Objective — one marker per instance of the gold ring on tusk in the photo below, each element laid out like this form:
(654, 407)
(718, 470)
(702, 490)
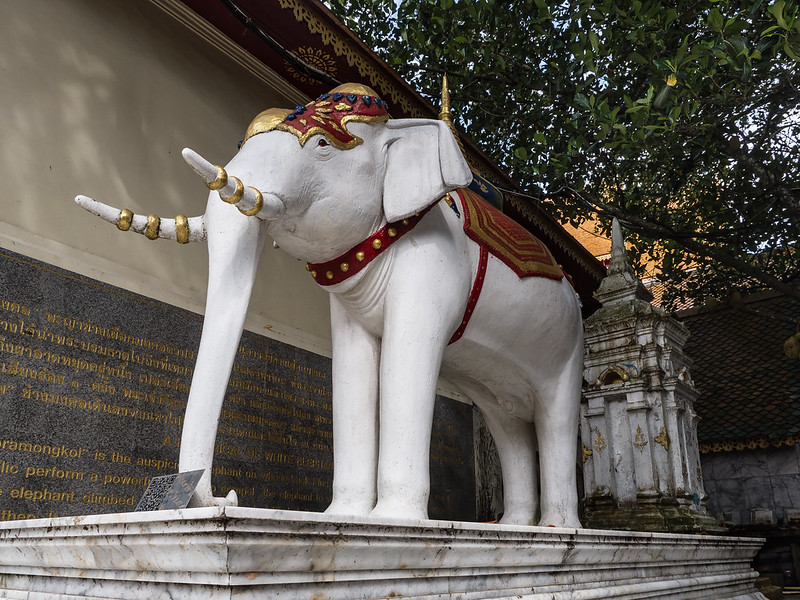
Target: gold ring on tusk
(256, 207)
(125, 219)
(237, 193)
(152, 227)
(221, 181)
(182, 229)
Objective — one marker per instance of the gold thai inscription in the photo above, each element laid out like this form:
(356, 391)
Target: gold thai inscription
(277, 416)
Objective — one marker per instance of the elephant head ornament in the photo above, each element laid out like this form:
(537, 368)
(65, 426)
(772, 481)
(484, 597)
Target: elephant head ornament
(372, 204)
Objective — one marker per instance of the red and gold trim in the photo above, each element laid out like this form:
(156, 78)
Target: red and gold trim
(359, 256)
(474, 294)
(506, 239)
(327, 115)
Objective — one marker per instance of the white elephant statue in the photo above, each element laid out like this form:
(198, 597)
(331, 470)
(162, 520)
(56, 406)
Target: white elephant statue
(371, 203)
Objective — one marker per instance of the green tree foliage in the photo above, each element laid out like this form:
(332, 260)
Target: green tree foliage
(680, 118)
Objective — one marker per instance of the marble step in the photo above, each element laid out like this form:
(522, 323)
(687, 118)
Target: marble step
(248, 553)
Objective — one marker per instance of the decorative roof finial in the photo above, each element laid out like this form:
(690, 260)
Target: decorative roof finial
(444, 113)
(619, 258)
(447, 116)
(621, 283)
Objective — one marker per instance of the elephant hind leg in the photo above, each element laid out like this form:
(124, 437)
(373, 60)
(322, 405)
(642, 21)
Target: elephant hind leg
(516, 446)
(556, 419)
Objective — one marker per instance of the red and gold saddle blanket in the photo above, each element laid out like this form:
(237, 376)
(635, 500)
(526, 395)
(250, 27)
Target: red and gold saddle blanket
(509, 241)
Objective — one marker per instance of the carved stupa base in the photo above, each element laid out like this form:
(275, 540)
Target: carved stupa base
(655, 514)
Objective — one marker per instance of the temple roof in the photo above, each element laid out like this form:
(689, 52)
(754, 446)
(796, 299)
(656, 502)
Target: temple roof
(749, 389)
(588, 234)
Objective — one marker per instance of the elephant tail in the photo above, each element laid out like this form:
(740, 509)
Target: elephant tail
(182, 229)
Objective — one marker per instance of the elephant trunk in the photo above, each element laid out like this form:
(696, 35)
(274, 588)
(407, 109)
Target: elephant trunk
(248, 200)
(182, 229)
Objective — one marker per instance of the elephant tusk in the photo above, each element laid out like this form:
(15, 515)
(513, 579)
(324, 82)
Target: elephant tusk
(265, 206)
(237, 194)
(183, 229)
(125, 219)
(220, 181)
(257, 205)
(231, 189)
(250, 201)
(213, 176)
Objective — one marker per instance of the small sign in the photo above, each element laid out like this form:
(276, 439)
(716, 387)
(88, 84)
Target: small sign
(761, 516)
(791, 515)
(169, 492)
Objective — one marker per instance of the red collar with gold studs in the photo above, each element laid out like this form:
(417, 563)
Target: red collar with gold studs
(359, 256)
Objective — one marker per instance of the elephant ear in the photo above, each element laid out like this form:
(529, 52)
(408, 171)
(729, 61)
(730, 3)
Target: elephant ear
(423, 163)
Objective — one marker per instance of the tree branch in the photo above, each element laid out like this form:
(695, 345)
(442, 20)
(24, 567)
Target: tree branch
(660, 231)
(490, 76)
(737, 152)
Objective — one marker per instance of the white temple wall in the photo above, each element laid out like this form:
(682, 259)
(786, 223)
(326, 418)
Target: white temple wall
(99, 98)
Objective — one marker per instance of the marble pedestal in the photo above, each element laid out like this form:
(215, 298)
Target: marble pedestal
(248, 553)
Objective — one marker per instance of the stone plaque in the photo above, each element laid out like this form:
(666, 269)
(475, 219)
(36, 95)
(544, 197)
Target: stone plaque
(93, 385)
(169, 492)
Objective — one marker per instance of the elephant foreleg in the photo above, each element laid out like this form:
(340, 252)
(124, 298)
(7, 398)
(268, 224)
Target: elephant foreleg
(411, 353)
(234, 246)
(355, 414)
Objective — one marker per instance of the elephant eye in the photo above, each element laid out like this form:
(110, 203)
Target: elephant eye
(323, 142)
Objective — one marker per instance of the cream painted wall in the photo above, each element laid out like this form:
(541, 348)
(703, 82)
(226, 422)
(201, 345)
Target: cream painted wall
(99, 98)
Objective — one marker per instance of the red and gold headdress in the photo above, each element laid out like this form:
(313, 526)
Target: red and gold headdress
(327, 115)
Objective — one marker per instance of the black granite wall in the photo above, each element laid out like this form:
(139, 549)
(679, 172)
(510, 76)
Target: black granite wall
(93, 385)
